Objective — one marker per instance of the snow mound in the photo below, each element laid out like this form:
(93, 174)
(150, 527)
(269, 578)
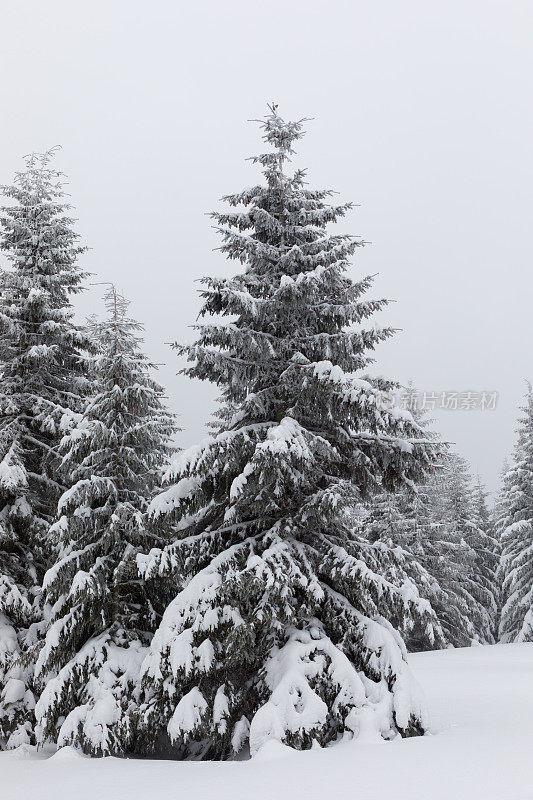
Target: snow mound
(23, 751)
(272, 750)
(67, 753)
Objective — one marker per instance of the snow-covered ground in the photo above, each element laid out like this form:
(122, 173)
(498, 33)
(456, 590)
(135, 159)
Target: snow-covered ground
(481, 704)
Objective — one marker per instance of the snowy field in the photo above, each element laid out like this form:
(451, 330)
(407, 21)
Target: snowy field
(481, 704)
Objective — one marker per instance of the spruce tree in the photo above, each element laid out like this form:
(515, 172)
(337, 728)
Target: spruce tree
(400, 520)
(453, 549)
(280, 630)
(42, 384)
(101, 614)
(445, 531)
(516, 523)
(17, 580)
(500, 516)
(473, 554)
(483, 540)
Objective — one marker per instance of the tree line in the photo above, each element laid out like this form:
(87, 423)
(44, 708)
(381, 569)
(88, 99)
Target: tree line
(268, 582)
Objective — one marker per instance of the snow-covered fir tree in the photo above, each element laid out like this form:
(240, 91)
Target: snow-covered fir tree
(18, 591)
(516, 525)
(281, 630)
(484, 542)
(472, 554)
(100, 613)
(500, 516)
(445, 530)
(400, 520)
(42, 385)
(458, 553)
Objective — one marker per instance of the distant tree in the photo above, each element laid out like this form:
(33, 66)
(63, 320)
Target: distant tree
(42, 385)
(516, 526)
(499, 516)
(401, 520)
(475, 551)
(483, 540)
(101, 616)
(446, 534)
(281, 630)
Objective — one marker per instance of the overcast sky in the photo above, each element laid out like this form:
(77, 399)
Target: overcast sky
(423, 115)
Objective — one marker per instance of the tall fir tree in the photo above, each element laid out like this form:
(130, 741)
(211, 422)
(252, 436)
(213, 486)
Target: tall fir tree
(42, 384)
(516, 525)
(280, 630)
(101, 614)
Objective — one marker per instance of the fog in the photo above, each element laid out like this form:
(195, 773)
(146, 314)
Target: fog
(421, 112)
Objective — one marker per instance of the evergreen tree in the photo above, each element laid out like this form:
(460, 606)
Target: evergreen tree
(400, 520)
(516, 522)
(474, 553)
(100, 612)
(500, 515)
(280, 630)
(404, 519)
(42, 384)
(17, 579)
(445, 531)
(483, 541)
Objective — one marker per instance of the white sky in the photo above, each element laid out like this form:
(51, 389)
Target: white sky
(422, 114)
